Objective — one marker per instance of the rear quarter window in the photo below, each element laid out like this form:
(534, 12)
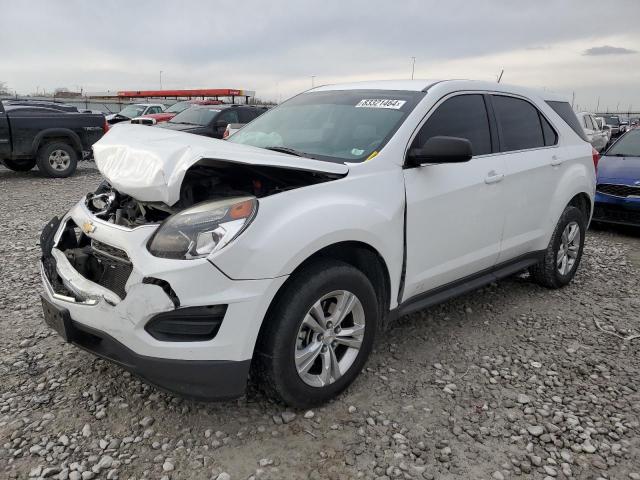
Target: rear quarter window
(564, 110)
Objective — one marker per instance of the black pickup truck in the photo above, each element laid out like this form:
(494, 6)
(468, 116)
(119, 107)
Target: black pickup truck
(50, 137)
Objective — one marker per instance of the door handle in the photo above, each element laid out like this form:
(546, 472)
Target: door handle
(493, 177)
(555, 161)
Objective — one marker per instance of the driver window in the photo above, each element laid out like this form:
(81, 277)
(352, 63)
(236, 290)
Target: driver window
(463, 116)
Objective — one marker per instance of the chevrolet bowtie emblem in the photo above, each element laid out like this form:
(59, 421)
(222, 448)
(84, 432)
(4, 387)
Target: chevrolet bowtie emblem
(88, 227)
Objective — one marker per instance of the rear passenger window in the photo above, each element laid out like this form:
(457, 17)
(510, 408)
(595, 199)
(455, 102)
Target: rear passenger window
(463, 116)
(550, 135)
(518, 123)
(246, 115)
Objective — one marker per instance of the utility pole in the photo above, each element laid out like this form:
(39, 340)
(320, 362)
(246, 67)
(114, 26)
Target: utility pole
(313, 81)
(598, 106)
(618, 108)
(413, 66)
(573, 99)
(160, 79)
(500, 76)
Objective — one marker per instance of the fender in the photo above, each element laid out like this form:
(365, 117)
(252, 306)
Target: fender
(57, 133)
(292, 226)
(577, 178)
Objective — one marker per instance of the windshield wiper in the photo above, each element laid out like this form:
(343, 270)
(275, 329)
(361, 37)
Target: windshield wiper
(290, 151)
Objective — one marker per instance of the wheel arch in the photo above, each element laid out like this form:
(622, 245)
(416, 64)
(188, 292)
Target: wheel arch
(357, 254)
(62, 134)
(583, 202)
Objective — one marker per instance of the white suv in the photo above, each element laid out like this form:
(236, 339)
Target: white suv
(286, 249)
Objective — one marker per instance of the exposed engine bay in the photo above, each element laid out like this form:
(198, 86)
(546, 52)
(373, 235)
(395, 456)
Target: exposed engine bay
(206, 180)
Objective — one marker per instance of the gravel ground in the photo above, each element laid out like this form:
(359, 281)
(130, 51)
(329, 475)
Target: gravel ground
(513, 381)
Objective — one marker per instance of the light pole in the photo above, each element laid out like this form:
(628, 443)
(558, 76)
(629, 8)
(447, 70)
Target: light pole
(313, 81)
(413, 66)
(160, 79)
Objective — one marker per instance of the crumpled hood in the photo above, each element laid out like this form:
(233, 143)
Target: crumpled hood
(149, 163)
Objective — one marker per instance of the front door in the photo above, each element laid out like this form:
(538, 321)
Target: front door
(455, 212)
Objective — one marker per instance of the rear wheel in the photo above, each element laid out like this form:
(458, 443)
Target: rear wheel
(57, 159)
(21, 165)
(564, 251)
(319, 335)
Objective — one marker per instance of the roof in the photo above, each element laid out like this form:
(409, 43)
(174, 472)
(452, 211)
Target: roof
(200, 92)
(452, 84)
(148, 104)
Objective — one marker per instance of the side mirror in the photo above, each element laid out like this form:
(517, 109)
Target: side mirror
(441, 149)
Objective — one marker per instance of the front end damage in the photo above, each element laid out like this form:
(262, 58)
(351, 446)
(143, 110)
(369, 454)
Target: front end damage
(181, 324)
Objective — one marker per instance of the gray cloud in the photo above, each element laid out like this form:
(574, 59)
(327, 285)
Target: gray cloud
(608, 50)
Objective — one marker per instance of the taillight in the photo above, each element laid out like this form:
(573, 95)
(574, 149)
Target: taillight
(596, 158)
(105, 126)
(226, 133)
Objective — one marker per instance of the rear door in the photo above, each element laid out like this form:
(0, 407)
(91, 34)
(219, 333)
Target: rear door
(532, 164)
(5, 134)
(455, 212)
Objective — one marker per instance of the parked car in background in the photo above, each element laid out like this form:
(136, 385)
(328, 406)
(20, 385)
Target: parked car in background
(172, 111)
(212, 120)
(605, 128)
(53, 139)
(596, 136)
(134, 110)
(613, 122)
(624, 126)
(288, 247)
(618, 187)
(63, 107)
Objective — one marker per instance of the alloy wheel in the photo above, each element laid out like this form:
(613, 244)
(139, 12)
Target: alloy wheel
(569, 248)
(329, 338)
(59, 160)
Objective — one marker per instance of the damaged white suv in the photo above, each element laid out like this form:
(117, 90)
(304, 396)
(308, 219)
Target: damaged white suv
(284, 250)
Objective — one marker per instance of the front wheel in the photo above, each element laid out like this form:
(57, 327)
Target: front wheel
(564, 251)
(318, 336)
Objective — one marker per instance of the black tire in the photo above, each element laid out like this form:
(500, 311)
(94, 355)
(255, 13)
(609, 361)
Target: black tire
(46, 164)
(274, 369)
(21, 165)
(547, 273)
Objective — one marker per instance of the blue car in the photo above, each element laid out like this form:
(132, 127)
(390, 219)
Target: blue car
(618, 185)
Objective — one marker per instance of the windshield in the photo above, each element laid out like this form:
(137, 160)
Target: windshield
(337, 126)
(195, 116)
(178, 107)
(131, 111)
(627, 146)
(609, 120)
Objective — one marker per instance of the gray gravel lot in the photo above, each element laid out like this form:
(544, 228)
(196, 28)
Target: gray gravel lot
(512, 381)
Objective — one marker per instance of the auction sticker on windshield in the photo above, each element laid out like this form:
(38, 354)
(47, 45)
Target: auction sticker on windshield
(381, 103)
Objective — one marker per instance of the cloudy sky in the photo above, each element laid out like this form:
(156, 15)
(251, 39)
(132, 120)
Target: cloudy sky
(274, 47)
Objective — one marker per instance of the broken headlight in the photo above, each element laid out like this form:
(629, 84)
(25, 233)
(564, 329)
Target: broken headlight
(203, 229)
